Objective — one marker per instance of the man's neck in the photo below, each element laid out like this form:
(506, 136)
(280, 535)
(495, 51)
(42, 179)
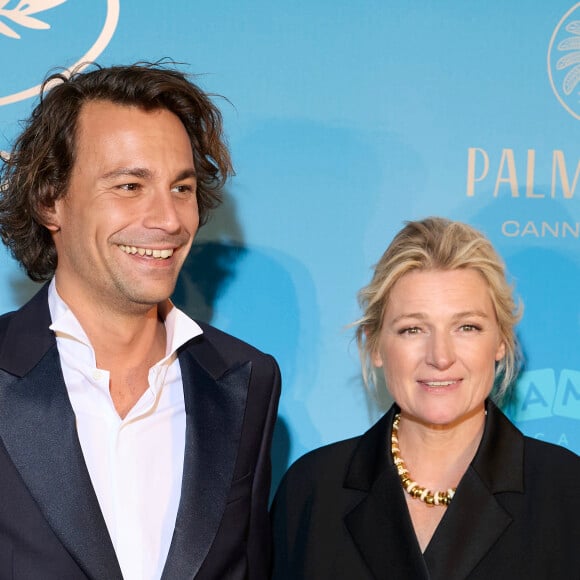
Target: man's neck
(128, 352)
(126, 344)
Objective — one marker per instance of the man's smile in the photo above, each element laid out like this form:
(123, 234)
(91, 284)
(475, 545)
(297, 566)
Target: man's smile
(160, 254)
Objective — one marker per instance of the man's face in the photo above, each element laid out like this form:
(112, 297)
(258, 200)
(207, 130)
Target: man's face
(126, 223)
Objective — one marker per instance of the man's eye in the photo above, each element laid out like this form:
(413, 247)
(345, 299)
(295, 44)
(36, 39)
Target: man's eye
(183, 189)
(129, 186)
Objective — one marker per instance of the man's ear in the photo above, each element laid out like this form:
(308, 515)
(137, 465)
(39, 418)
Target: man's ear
(49, 216)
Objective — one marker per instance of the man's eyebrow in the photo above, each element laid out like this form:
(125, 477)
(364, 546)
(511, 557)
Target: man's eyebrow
(139, 172)
(143, 173)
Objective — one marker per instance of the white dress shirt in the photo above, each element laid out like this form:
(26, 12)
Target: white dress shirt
(135, 463)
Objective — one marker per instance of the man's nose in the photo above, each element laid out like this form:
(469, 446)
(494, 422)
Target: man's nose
(162, 212)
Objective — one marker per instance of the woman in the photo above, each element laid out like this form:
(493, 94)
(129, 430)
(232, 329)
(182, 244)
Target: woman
(443, 486)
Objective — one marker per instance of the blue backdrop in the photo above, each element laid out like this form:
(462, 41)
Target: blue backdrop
(344, 120)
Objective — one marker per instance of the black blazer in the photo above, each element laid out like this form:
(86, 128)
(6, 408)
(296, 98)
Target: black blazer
(51, 526)
(340, 513)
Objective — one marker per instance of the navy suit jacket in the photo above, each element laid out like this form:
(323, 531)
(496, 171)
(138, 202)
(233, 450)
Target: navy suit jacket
(340, 513)
(51, 526)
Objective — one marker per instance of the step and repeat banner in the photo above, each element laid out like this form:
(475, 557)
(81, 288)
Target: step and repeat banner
(345, 119)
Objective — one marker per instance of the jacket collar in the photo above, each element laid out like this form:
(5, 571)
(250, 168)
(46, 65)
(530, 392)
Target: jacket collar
(215, 401)
(380, 524)
(37, 426)
(502, 445)
(26, 335)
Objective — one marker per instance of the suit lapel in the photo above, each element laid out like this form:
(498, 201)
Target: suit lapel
(37, 427)
(215, 400)
(475, 516)
(380, 525)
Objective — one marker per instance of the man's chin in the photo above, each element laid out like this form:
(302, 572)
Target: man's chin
(144, 299)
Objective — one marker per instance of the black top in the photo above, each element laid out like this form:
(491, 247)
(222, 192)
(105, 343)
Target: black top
(340, 513)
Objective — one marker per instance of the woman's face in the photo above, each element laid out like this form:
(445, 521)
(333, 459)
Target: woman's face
(438, 345)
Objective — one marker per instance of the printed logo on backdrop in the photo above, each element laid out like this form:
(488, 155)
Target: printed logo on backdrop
(40, 35)
(544, 394)
(526, 198)
(538, 187)
(564, 61)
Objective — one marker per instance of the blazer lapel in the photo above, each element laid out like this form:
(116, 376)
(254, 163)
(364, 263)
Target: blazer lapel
(471, 525)
(475, 516)
(215, 400)
(380, 524)
(37, 427)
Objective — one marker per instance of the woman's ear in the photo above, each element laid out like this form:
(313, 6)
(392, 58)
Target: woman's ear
(375, 356)
(500, 353)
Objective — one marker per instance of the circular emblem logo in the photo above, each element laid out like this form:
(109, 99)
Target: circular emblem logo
(564, 61)
(40, 35)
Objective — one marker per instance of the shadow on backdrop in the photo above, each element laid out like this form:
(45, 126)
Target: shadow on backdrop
(201, 292)
(211, 263)
(249, 292)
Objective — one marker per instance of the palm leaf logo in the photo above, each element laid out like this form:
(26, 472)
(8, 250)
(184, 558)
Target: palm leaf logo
(26, 17)
(571, 60)
(21, 15)
(564, 61)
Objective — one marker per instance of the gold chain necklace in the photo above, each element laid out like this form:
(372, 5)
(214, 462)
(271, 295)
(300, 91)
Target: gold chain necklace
(442, 498)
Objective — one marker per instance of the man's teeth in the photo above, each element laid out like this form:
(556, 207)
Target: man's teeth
(161, 254)
(439, 383)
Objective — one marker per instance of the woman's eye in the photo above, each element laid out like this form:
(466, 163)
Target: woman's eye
(469, 327)
(410, 330)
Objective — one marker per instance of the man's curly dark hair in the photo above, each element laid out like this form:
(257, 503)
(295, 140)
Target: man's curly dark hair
(38, 170)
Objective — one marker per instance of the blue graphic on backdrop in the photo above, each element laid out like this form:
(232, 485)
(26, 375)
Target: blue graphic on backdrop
(547, 406)
(543, 395)
(37, 36)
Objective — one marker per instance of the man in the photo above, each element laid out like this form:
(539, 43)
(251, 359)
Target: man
(134, 442)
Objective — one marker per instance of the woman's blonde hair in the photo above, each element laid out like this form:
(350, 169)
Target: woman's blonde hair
(437, 243)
